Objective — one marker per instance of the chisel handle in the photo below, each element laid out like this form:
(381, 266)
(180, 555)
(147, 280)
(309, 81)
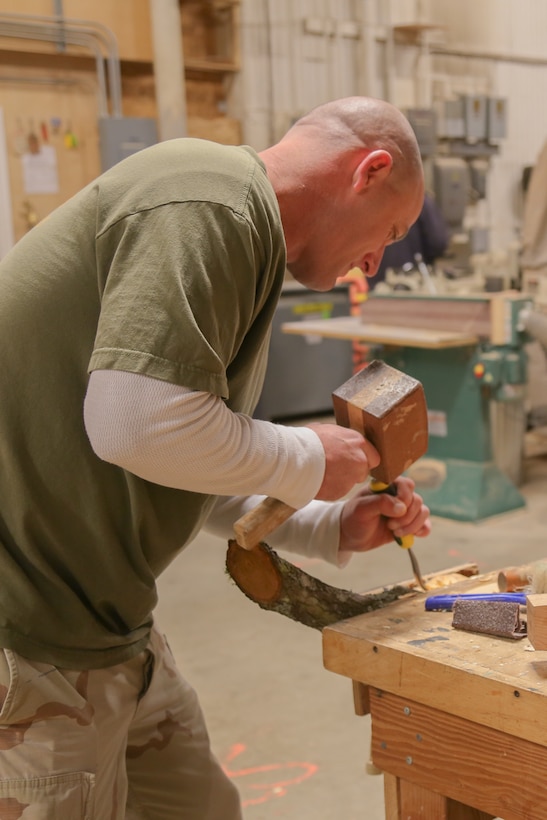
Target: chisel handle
(407, 541)
(259, 522)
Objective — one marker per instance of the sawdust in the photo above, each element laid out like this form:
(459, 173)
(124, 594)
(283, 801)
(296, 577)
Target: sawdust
(440, 581)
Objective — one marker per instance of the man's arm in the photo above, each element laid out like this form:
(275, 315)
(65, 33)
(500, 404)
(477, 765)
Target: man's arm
(190, 440)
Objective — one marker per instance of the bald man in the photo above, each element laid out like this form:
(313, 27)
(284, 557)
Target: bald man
(134, 329)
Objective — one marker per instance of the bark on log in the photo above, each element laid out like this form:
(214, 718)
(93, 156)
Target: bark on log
(277, 585)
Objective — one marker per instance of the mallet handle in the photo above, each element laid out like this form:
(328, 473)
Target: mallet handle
(259, 522)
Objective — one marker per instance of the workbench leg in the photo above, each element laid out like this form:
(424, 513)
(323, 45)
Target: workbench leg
(408, 801)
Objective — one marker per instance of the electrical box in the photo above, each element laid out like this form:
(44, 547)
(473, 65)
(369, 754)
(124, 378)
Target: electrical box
(497, 118)
(479, 240)
(424, 125)
(452, 123)
(122, 136)
(451, 181)
(475, 116)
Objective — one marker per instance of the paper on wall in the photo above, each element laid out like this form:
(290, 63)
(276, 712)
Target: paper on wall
(40, 171)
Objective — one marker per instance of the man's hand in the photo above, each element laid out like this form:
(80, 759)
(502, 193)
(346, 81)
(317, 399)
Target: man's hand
(371, 519)
(348, 459)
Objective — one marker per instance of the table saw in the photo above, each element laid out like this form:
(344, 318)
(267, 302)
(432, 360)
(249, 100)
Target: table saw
(469, 354)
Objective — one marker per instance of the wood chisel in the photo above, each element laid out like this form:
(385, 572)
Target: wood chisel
(407, 541)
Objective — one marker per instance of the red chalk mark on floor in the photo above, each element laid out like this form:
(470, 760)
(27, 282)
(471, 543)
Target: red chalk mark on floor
(273, 788)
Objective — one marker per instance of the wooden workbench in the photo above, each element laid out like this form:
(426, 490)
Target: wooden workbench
(458, 719)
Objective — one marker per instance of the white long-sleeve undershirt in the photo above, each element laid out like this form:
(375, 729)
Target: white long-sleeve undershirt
(190, 440)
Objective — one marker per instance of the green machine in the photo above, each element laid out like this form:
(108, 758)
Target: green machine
(468, 352)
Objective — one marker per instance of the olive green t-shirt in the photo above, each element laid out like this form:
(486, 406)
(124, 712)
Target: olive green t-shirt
(170, 264)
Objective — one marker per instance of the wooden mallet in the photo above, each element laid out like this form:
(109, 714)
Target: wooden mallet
(386, 406)
(389, 408)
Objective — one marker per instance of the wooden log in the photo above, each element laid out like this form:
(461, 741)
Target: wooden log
(277, 585)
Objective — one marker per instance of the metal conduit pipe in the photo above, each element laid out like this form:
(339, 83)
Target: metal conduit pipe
(496, 56)
(80, 40)
(88, 34)
(101, 33)
(471, 54)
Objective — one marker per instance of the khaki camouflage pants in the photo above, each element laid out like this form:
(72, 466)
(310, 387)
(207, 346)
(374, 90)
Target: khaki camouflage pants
(124, 743)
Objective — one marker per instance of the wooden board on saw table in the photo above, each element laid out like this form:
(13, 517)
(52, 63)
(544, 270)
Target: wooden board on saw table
(354, 328)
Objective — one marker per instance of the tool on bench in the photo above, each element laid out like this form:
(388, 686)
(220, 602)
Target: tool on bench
(445, 603)
(386, 406)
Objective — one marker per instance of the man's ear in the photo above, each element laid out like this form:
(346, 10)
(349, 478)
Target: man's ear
(374, 168)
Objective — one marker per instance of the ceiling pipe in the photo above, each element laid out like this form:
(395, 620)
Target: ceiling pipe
(23, 33)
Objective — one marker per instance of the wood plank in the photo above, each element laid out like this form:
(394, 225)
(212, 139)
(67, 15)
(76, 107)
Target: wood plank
(471, 764)
(536, 616)
(458, 811)
(467, 314)
(419, 803)
(404, 650)
(404, 800)
(361, 698)
(351, 327)
(449, 576)
(500, 316)
(392, 797)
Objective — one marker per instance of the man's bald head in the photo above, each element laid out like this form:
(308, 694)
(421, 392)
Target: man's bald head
(349, 180)
(368, 123)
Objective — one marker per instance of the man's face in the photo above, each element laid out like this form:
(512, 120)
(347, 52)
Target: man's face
(354, 232)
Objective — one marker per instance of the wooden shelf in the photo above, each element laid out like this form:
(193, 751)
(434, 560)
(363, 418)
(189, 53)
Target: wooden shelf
(414, 33)
(210, 66)
(210, 30)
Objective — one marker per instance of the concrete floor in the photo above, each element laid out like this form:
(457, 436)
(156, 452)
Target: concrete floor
(281, 724)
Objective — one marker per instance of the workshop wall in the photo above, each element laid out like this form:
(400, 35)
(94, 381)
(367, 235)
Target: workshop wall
(414, 53)
(51, 93)
(51, 99)
(252, 68)
(498, 47)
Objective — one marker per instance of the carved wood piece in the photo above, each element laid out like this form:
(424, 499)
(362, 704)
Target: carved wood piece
(277, 585)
